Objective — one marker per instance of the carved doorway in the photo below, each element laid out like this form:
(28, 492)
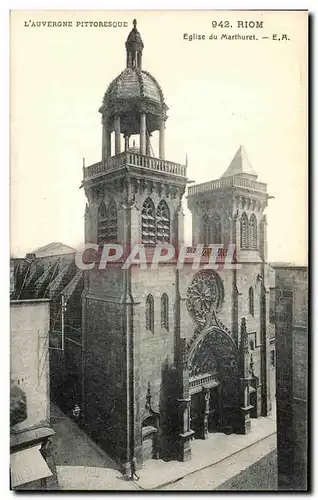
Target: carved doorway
(215, 409)
(149, 437)
(213, 382)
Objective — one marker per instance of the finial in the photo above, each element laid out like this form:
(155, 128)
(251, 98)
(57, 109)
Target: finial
(135, 24)
(186, 160)
(83, 162)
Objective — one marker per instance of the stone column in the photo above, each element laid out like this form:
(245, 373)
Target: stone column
(237, 231)
(105, 140)
(126, 142)
(206, 393)
(148, 145)
(220, 404)
(117, 134)
(109, 144)
(162, 140)
(143, 133)
(178, 237)
(183, 402)
(262, 237)
(244, 421)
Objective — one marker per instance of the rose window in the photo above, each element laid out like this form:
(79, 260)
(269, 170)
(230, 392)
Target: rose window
(204, 295)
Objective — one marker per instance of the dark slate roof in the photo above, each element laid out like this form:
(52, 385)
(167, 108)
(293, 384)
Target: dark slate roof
(134, 83)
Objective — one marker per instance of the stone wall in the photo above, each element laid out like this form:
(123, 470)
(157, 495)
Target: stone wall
(291, 376)
(29, 357)
(104, 361)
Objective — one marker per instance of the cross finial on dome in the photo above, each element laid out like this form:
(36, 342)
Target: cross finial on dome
(134, 46)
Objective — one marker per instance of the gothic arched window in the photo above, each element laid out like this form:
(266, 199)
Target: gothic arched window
(112, 222)
(148, 224)
(165, 311)
(150, 313)
(216, 229)
(244, 231)
(253, 232)
(251, 301)
(102, 223)
(163, 223)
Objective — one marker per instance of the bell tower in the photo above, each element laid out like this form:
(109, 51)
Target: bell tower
(134, 197)
(230, 210)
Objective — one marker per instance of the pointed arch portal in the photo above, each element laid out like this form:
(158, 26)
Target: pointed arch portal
(213, 363)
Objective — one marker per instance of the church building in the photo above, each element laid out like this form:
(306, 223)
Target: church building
(170, 354)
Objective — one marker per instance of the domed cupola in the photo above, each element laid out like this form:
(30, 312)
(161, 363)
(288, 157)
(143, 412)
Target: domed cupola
(133, 103)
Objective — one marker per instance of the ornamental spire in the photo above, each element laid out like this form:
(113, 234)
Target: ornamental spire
(134, 47)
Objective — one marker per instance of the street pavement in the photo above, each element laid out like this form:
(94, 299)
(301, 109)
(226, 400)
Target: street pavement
(156, 474)
(82, 465)
(215, 476)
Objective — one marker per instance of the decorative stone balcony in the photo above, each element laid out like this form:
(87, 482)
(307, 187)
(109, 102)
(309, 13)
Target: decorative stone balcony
(129, 158)
(206, 380)
(227, 182)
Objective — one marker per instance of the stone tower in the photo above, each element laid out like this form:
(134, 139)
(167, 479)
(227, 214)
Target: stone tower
(134, 196)
(230, 210)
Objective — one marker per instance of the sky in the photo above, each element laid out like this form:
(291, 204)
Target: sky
(220, 94)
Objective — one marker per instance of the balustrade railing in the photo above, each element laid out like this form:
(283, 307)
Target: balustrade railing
(227, 182)
(201, 380)
(134, 159)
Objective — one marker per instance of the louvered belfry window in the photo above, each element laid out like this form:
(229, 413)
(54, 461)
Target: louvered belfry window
(107, 223)
(148, 225)
(112, 223)
(253, 232)
(163, 223)
(155, 226)
(102, 223)
(244, 231)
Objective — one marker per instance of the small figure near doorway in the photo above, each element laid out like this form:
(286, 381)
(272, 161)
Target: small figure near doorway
(76, 412)
(133, 473)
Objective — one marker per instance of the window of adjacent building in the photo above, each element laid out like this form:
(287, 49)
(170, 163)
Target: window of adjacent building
(251, 300)
(150, 313)
(273, 358)
(165, 311)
